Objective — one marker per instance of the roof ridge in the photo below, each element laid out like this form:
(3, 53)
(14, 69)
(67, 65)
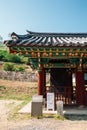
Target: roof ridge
(57, 33)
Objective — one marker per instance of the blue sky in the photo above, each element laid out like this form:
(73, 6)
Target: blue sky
(42, 16)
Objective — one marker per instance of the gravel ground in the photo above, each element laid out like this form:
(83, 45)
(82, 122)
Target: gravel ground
(52, 124)
(35, 124)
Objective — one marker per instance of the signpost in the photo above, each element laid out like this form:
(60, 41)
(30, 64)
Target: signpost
(50, 101)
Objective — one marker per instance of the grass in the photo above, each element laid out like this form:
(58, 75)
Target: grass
(59, 117)
(14, 109)
(15, 97)
(17, 90)
(11, 91)
(55, 116)
(14, 112)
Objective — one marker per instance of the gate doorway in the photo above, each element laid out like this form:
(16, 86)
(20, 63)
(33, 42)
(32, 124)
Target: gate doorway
(68, 85)
(62, 83)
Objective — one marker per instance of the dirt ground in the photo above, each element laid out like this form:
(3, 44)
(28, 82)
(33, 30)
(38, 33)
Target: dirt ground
(6, 107)
(14, 84)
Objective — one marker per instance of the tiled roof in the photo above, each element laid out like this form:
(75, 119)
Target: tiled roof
(47, 39)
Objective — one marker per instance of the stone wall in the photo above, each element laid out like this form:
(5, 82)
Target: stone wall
(18, 76)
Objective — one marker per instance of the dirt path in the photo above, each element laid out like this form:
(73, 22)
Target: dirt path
(6, 107)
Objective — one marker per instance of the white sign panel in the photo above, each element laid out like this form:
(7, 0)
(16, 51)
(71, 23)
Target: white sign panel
(50, 101)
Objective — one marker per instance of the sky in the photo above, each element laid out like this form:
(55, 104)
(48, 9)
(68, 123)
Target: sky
(42, 16)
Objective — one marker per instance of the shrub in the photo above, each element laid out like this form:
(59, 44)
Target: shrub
(7, 57)
(2, 54)
(19, 68)
(8, 67)
(12, 67)
(12, 58)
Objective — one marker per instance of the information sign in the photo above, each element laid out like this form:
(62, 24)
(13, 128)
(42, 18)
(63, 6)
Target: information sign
(50, 101)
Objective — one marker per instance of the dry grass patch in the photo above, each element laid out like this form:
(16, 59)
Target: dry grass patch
(17, 90)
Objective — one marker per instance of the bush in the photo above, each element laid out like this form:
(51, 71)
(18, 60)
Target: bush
(2, 54)
(12, 58)
(8, 67)
(7, 57)
(12, 67)
(20, 68)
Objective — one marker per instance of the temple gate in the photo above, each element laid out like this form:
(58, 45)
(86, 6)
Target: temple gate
(62, 55)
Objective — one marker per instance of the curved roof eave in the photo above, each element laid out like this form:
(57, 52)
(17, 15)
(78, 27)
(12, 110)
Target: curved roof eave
(48, 39)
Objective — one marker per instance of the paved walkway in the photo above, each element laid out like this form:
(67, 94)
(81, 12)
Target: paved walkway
(67, 111)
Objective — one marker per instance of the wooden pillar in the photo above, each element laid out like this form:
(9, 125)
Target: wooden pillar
(41, 82)
(69, 78)
(70, 87)
(80, 89)
(44, 84)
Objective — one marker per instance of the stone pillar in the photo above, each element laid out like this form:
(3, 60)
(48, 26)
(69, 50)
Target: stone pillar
(60, 108)
(80, 88)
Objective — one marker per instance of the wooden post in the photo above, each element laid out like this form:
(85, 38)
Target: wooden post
(70, 87)
(41, 82)
(80, 89)
(44, 84)
(69, 78)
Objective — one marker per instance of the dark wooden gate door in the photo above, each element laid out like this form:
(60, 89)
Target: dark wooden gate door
(61, 82)
(67, 95)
